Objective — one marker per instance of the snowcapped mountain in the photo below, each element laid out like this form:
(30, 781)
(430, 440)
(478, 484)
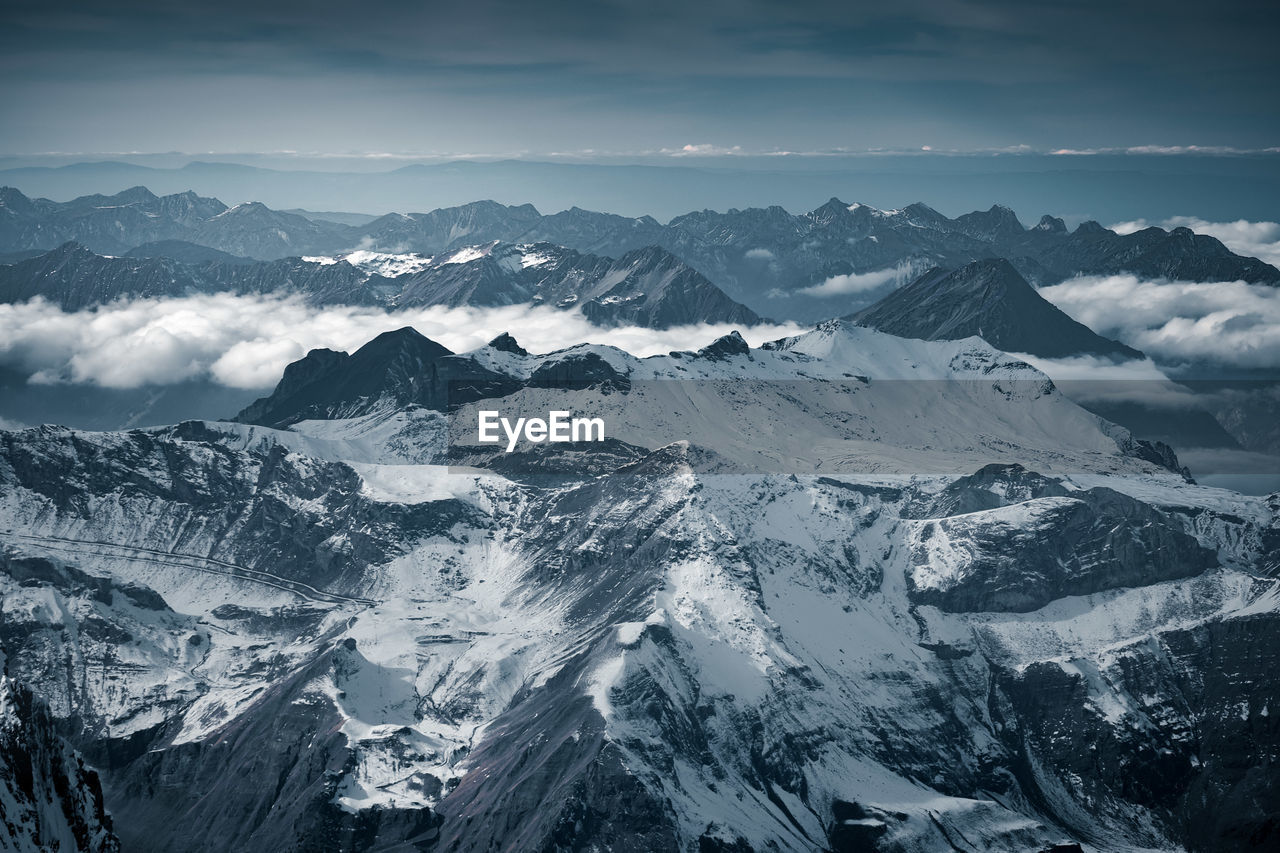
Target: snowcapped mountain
(991, 300)
(951, 610)
(646, 287)
(828, 262)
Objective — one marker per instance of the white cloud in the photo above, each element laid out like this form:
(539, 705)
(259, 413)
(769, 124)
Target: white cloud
(1091, 368)
(10, 424)
(759, 255)
(1259, 240)
(840, 285)
(246, 341)
(704, 149)
(1228, 323)
(1202, 150)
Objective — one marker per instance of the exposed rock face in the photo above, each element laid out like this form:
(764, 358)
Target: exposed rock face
(265, 781)
(394, 370)
(322, 638)
(49, 799)
(991, 300)
(1021, 556)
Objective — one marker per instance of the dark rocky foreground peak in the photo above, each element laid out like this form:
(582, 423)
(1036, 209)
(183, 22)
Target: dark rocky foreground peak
(394, 370)
(506, 343)
(726, 346)
(991, 300)
(390, 365)
(49, 799)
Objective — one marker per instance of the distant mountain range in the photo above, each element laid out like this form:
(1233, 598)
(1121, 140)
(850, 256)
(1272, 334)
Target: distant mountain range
(646, 287)
(831, 261)
(1107, 188)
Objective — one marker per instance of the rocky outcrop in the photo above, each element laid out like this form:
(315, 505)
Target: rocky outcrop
(1021, 556)
(49, 799)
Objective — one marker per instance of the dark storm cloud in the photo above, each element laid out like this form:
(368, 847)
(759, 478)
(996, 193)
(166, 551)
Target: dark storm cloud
(937, 72)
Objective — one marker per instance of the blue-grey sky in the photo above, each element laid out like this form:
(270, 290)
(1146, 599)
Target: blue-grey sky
(655, 79)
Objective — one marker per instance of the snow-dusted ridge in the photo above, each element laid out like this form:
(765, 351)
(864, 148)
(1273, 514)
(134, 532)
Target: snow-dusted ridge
(646, 655)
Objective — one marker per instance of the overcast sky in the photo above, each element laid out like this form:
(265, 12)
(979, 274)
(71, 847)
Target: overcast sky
(533, 79)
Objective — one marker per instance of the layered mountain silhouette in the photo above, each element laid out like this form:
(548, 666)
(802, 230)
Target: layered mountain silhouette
(766, 258)
(645, 287)
(991, 300)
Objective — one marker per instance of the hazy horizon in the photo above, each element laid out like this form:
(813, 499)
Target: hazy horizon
(1107, 188)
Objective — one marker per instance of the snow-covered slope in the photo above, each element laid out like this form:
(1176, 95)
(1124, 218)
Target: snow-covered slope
(49, 800)
(978, 619)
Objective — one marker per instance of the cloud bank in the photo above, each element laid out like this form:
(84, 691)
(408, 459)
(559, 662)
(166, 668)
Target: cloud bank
(842, 285)
(1228, 323)
(246, 341)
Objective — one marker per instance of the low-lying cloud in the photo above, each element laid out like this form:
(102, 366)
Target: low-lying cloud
(842, 285)
(246, 341)
(1094, 368)
(1227, 323)
(1259, 240)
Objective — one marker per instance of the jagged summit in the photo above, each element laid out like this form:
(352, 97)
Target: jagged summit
(395, 370)
(1051, 225)
(726, 346)
(506, 343)
(990, 299)
(995, 224)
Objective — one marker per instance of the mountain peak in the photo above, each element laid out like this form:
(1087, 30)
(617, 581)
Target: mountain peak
(990, 299)
(404, 339)
(135, 195)
(68, 249)
(992, 224)
(832, 211)
(1051, 225)
(14, 199)
(506, 343)
(725, 347)
(393, 368)
(245, 207)
(919, 213)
